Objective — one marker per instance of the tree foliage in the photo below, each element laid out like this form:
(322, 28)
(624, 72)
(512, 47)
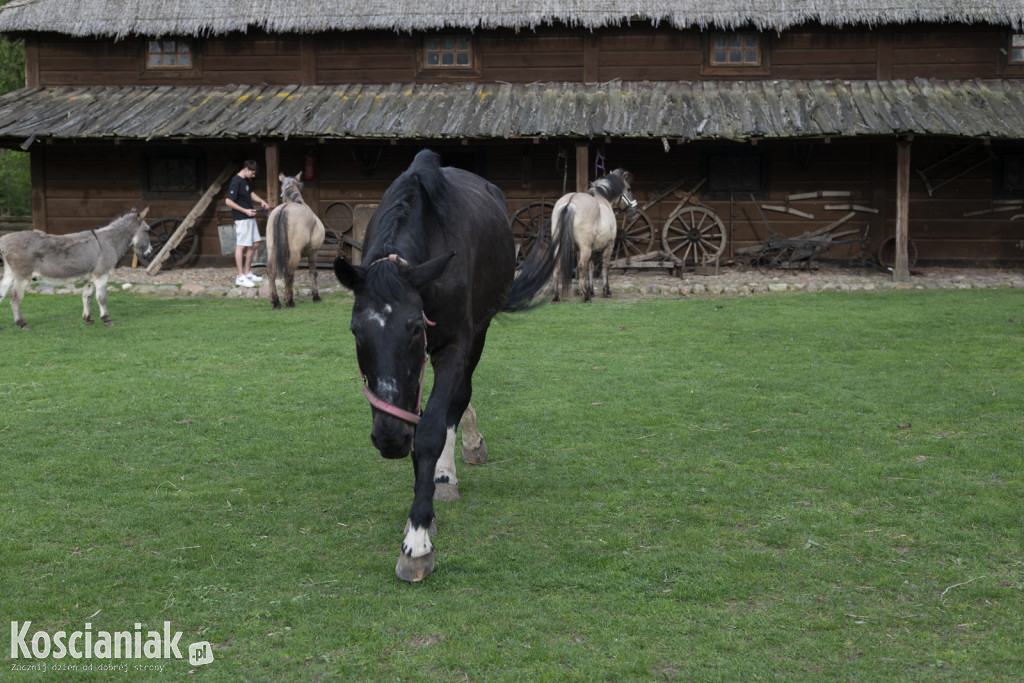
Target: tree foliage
(15, 183)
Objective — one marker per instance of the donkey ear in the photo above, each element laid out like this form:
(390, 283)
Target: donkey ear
(425, 273)
(298, 176)
(350, 277)
(281, 177)
(142, 214)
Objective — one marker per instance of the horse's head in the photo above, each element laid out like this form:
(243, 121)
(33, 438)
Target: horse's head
(291, 187)
(390, 329)
(626, 196)
(140, 238)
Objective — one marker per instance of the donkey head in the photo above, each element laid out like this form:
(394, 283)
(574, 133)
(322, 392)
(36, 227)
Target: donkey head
(390, 329)
(140, 238)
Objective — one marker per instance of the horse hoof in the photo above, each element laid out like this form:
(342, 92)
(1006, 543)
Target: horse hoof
(446, 491)
(88, 321)
(317, 299)
(475, 456)
(276, 306)
(413, 569)
(290, 304)
(108, 323)
(24, 326)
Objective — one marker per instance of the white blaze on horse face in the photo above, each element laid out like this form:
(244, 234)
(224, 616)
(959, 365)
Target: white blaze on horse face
(387, 390)
(380, 317)
(417, 542)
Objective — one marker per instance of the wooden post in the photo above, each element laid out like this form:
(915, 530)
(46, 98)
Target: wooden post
(901, 267)
(273, 165)
(582, 162)
(37, 172)
(190, 219)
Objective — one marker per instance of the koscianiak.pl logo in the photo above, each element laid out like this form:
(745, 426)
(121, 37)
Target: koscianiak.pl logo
(88, 650)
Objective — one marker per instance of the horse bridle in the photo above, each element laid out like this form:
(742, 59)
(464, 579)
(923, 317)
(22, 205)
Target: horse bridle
(379, 403)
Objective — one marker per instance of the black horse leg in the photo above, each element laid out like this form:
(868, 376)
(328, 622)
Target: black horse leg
(416, 561)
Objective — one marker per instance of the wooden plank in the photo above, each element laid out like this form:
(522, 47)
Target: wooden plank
(850, 207)
(787, 209)
(820, 194)
(190, 219)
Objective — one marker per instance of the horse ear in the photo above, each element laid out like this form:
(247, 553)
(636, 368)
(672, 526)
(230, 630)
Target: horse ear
(281, 177)
(298, 176)
(425, 273)
(350, 277)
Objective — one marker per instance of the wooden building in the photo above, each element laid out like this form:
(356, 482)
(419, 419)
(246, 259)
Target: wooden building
(784, 121)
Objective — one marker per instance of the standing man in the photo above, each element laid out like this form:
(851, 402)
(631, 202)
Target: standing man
(247, 233)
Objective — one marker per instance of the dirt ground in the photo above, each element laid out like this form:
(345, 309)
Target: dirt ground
(635, 283)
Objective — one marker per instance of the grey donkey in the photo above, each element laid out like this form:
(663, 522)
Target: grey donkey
(88, 256)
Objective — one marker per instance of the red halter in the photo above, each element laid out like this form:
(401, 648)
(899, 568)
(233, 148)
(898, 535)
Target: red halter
(376, 401)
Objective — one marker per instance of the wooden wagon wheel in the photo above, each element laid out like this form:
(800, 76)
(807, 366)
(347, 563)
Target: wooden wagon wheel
(694, 234)
(338, 221)
(635, 237)
(887, 253)
(528, 223)
(160, 231)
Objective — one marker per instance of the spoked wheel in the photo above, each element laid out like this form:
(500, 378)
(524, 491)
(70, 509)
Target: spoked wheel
(694, 234)
(338, 220)
(635, 236)
(160, 232)
(528, 223)
(887, 253)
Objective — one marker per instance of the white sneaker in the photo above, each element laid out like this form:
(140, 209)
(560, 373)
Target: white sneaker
(254, 277)
(243, 281)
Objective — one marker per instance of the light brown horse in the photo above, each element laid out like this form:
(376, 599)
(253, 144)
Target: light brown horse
(590, 220)
(293, 232)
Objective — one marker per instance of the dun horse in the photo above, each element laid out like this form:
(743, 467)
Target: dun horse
(91, 256)
(293, 232)
(438, 264)
(590, 219)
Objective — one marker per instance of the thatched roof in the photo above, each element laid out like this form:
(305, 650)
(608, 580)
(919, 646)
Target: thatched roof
(677, 110)
(122, 18)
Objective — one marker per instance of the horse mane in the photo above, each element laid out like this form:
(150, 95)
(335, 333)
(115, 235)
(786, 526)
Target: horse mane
(416, 195)
(611, 185)
(291, 191)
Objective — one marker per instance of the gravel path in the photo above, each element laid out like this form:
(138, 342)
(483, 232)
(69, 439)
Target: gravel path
(633, 284)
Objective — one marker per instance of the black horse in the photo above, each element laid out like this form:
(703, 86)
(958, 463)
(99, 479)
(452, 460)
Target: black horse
(438, 264)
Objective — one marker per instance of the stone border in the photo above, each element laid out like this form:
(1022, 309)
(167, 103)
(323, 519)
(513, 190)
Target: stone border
(729, 282)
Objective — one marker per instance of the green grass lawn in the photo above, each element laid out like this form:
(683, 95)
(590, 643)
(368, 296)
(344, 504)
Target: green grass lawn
(774, 487)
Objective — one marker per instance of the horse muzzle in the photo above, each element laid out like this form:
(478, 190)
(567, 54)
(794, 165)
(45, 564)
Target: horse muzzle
(392, 438)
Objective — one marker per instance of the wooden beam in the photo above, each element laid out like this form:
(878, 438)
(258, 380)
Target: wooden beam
(901, 267)
(273, 165)
(190, 219)
(582, 162)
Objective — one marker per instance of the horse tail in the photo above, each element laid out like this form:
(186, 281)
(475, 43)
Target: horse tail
(537, 270)
(280, 255)
(563, 239)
